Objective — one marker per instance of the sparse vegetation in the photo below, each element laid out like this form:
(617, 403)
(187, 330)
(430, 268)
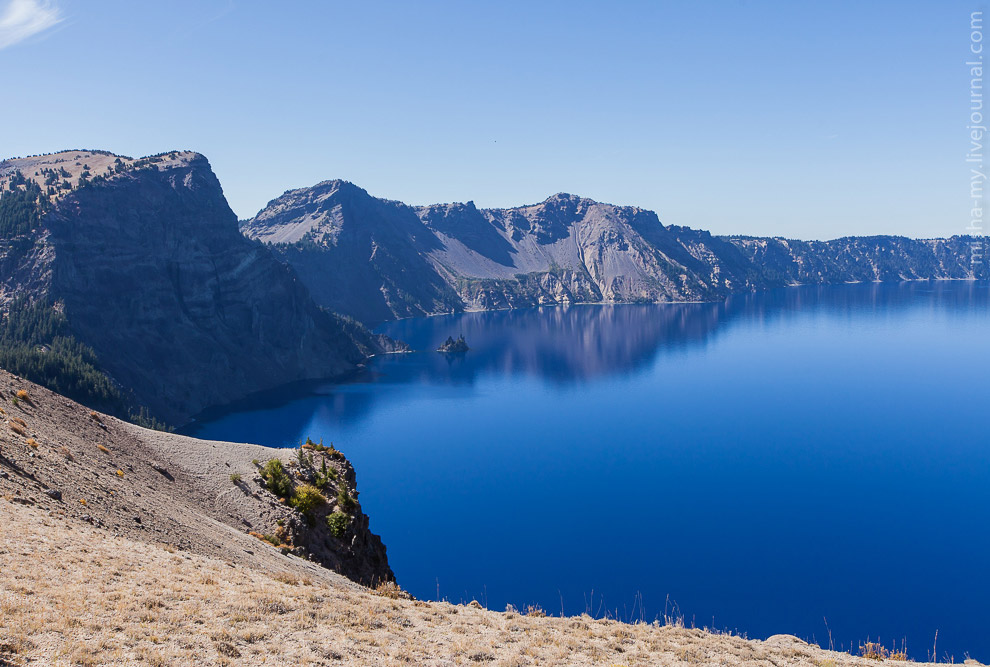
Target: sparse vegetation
(326, 475)
(276, 479)
(265, 537)
(306, 498)
(535, 611)
(17, 428)
(338, 523)
(344, 499)
(235, 477)
(392, 590)
(103, 449)
(877, 651)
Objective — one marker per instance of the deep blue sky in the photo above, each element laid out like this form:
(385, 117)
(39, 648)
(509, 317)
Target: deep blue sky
(807, 120)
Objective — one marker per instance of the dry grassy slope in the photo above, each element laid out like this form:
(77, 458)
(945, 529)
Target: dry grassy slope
(89, 585)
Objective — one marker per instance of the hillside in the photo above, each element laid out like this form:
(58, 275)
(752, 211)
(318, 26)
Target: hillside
(126, 284)
(123, 546)
(377, 260)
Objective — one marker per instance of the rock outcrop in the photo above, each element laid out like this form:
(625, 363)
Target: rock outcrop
(145, 261)
(567, 249)
(201, 496)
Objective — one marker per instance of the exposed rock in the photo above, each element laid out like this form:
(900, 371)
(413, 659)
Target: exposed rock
(377, 260)
(451, 346)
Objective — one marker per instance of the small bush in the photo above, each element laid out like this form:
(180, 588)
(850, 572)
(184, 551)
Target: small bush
(120, 473)
(17, 428)
(271, 539)
(235, 477)
(344, 499)
(325, 475)
(32, 443)
(306, 498)
(877, 651)
(103, 449)
(536, 611)
(390, 589)
(276, 479)
(338, 523)
(23, 395)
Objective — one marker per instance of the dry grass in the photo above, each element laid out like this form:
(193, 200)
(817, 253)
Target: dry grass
(32, 443)
(73, 594)
(23, 395)
(877, 651)
(390, 589)
(17, 427)
(103, 449)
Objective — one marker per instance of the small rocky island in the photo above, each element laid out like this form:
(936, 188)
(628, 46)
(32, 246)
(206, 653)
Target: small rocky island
(451, 346)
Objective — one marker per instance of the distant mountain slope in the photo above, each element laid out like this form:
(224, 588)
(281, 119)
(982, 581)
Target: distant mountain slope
(378, 260)
(139, 263)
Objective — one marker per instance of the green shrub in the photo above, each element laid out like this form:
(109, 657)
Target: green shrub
(306, 498)
(235, 477)
(345, 500)
(325, 475)
(276, 478)
(338, 523)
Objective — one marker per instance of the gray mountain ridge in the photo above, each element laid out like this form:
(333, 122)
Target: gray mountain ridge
(377, 259)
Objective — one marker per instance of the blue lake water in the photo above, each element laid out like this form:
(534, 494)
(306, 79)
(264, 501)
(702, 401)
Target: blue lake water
(768, 462)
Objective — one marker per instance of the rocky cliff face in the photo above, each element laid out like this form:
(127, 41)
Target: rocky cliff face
(445, 258)
(145, 260)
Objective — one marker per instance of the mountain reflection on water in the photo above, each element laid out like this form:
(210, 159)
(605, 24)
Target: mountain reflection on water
(562, 345)
(569, 344)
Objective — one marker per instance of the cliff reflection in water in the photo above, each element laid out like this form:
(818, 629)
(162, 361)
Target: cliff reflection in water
(563, 346)
(577, 343)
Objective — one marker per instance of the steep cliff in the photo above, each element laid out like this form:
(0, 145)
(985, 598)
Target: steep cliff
(144, 260)
(451, 257)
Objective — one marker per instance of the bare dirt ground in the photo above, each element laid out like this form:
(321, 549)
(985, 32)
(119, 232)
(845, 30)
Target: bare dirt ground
(121, 546)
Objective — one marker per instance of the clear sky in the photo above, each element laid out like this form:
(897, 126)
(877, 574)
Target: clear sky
(800, 119)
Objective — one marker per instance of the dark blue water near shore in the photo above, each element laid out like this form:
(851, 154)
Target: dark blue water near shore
(768, 462)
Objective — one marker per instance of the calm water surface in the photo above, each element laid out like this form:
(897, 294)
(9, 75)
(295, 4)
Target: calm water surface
(768, 463)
